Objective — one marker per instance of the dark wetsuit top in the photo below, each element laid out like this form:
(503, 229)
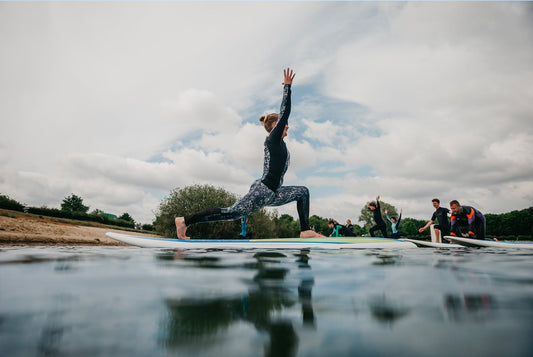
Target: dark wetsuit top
(340, 230)
(380, 223)
(276, 154)
(441, 214)
(471, 217)
(377, 215)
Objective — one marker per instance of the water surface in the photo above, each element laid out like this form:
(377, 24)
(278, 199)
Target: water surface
(116, 301)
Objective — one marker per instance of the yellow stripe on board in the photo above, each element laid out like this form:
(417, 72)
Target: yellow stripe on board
(351, 240)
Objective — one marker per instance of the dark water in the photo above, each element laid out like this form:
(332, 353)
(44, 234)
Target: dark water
(112, 301)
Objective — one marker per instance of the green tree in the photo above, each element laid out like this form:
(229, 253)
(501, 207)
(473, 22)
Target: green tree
(261, 224)
(511, 225)
(8, 203)
(320, 224)
(192, 199)
(409, 228)
(126, 217)
(287, 227)
(73, 203)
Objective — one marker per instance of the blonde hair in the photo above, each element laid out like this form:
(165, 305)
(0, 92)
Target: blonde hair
(269, 121)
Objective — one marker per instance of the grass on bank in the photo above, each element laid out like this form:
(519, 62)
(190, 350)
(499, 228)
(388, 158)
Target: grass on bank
(74, 222)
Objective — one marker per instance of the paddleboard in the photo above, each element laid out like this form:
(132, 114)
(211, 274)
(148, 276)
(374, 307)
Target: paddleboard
(290, 243)
(469, 242)
(429, 244)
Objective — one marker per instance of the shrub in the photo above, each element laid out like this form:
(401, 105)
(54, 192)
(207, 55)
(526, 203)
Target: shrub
(193, 199)
(8, 203)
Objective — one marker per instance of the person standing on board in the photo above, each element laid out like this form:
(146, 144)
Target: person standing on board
(440, 214)
(468, 216)
(269, 189)
(380, 223)
(395, 223)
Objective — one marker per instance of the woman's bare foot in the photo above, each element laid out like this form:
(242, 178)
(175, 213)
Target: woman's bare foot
(181, 228)
(309, 234)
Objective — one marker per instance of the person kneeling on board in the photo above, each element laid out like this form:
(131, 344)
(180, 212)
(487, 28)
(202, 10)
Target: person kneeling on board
(339, 230)
(395, 223)
(380, 223)
(467, 216)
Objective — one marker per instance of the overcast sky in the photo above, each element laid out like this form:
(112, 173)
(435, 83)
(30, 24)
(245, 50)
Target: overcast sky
(121, 102)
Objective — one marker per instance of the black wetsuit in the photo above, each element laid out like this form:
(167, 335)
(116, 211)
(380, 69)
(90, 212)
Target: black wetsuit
(441, 214)
(342, 231)
(380, 223)
(267, 191)
(350, 228)
(471, 217)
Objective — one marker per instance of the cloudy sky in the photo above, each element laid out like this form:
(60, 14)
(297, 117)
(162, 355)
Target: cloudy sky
(121, 102)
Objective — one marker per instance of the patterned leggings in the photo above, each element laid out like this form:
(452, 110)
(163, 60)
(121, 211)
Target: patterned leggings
(258, 197)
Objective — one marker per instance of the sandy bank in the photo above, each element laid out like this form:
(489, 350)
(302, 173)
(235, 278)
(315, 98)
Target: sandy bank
(19, 229)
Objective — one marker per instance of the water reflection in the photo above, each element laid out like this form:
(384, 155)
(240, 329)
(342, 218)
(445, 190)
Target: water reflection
(51, 335)
(386, 311)
(386, 258)
(199, 319)
(469, 307)
(305, 290)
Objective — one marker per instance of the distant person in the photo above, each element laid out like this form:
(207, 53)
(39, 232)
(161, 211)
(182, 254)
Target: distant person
(244, 227)
(380, 223)
(467, 216)
(349, 225)
(269, 189)
(338, 230)
(441, 214)
(395, 224)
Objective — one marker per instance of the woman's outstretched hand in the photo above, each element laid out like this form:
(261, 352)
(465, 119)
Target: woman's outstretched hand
(288, 75)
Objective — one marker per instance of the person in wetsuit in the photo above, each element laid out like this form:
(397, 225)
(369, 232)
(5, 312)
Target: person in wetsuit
(338, 230)
(269, 189)
(440, 214)
(395, 223)
(467, 216)
(380, 223)
(349, 225)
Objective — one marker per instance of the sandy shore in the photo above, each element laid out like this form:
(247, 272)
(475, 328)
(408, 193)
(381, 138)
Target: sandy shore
(21, 229)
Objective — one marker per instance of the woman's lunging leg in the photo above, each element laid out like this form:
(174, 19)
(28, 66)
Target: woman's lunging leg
(300, 194)
(258, 197)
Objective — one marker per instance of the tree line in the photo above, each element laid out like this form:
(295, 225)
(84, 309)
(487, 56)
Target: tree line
(72, 207)
(264, 224)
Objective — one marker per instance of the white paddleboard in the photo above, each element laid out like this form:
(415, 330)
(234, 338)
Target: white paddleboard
(429, 244)
(291, 243)
(469, 242)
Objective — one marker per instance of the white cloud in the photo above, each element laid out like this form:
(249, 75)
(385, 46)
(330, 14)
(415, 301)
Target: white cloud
(121, 102)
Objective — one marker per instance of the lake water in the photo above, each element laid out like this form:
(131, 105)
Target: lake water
(116, 301)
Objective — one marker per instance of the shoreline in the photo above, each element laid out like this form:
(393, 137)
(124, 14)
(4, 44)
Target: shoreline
(18, 228)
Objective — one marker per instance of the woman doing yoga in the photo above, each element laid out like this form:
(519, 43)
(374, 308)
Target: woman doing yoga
(268, 190)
